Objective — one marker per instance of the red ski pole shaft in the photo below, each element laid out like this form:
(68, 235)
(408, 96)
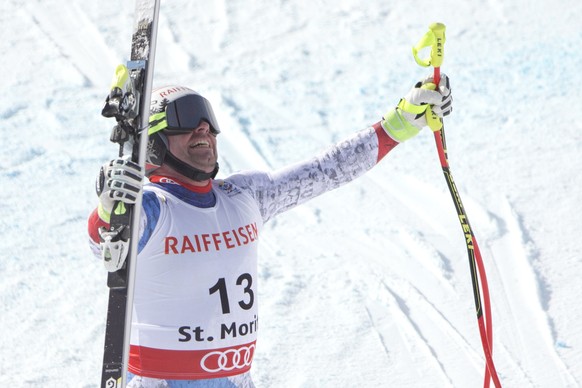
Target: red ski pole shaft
(436, 39)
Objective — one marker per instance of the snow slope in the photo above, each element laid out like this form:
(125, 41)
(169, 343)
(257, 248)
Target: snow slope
(365, 286)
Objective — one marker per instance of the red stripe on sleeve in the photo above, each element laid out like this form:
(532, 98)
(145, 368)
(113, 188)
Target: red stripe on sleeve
(93, 224)
(385, 142)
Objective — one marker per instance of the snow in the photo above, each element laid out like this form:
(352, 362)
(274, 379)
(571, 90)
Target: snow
(366, 286)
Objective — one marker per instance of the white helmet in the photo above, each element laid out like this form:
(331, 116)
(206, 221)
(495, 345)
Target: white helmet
(176, 110)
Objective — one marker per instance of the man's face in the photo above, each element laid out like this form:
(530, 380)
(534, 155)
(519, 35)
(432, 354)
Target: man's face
(197, 148)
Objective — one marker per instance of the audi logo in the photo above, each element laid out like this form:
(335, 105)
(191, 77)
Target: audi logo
(228, 360)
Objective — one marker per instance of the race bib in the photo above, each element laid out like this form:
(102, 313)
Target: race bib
(195, 303)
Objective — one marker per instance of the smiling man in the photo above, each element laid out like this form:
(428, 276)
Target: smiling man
(195, 315)
(183, 133)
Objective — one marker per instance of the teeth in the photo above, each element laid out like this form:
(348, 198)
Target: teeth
(200, 144)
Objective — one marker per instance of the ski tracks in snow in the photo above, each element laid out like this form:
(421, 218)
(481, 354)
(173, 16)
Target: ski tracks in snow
(526, 339)
(524, 343)
(417, 348)
(76, 39)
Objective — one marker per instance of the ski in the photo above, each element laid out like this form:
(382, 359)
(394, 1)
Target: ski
(128, 102)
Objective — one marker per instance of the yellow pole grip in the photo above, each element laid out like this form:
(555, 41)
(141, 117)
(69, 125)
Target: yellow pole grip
(437, 53)
(435, 39)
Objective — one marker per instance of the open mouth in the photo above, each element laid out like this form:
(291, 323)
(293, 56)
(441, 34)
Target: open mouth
(200, 144)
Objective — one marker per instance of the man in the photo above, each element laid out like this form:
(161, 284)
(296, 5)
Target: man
(195, 316)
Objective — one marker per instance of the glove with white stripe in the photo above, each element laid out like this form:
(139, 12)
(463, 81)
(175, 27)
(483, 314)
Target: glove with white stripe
(424, 105)
(119, 180)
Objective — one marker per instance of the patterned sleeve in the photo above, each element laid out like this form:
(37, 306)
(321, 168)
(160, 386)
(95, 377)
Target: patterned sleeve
(281, 190)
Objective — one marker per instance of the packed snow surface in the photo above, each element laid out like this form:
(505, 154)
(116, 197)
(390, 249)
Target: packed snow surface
(368, 285)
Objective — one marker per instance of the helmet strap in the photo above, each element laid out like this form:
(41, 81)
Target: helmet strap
(187, 170)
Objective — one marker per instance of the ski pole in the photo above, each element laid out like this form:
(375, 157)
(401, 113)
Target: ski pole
(435, 39)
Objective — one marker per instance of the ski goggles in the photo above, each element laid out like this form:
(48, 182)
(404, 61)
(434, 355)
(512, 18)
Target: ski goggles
(183, 115)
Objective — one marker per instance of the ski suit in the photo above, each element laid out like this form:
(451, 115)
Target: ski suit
(195, 314)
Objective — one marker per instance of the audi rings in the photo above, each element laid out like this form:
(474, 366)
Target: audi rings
(228, 360)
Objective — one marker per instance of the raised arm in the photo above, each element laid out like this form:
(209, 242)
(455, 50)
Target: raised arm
(283, 189)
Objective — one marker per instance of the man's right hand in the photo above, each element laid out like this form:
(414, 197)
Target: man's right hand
(119, 180)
